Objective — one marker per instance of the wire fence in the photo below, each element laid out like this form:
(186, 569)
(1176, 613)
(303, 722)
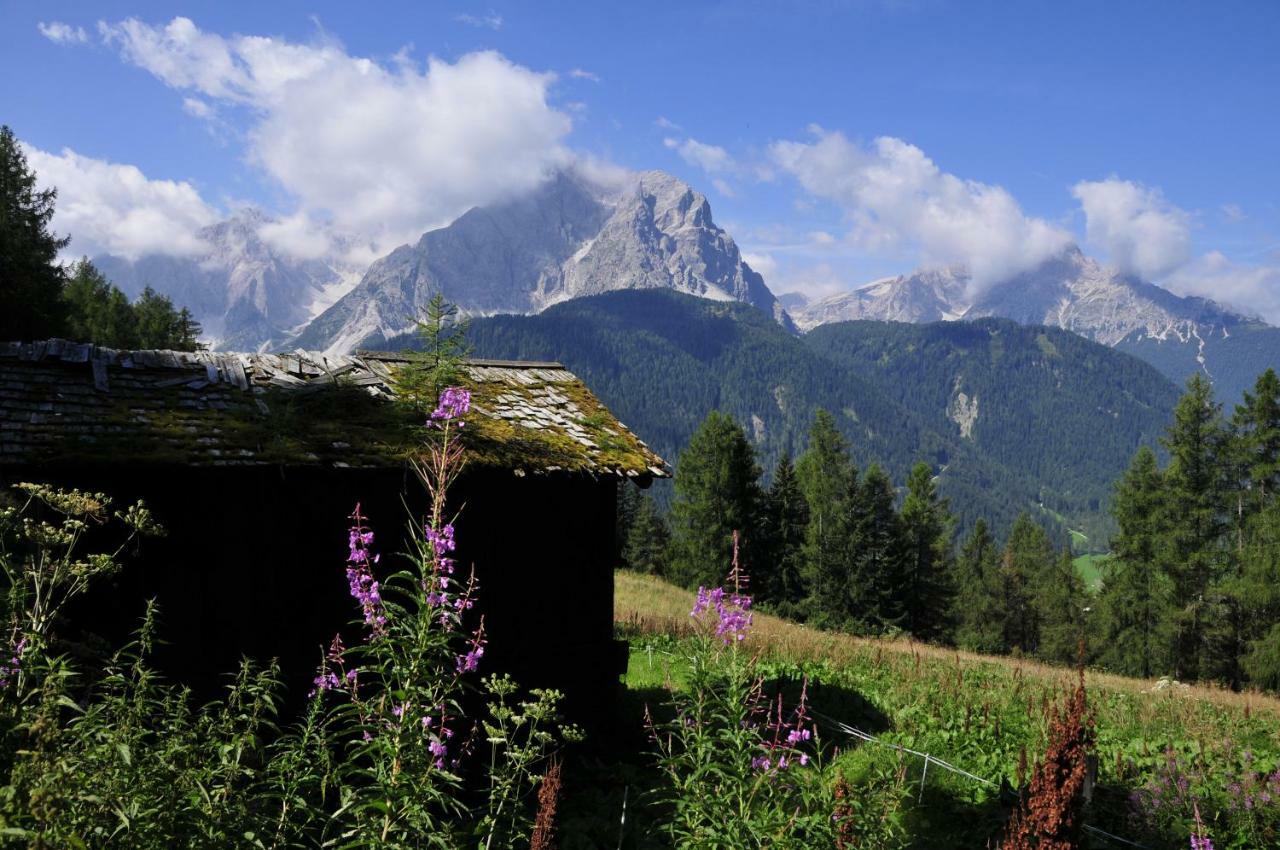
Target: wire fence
(930, 759)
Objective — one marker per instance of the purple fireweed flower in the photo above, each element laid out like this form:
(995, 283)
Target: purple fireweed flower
(454, 403)
(10, 669)
(471, 660)
(733, 612)
(363, 586)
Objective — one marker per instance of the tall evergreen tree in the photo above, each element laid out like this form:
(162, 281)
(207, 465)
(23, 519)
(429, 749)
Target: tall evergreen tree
(1193, 550)
(874, 554)
(927, 591)
(31, 280)
(628, 504)
(1135, 600)
(648, 540)
(1257, 428)
(1060, 603)
(1258, 590)
(1027, 557)
(826, 476)
(98, 312)
(161, 326)
(977, 611)
(780, 575)
(717, 492)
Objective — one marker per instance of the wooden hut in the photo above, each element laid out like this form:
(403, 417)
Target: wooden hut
(253, 463)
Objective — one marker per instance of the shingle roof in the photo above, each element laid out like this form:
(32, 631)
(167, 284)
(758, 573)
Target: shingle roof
(70, 402)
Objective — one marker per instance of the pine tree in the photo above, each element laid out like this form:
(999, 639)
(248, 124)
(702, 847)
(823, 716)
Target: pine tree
(780, 576)
(977, 610)
(628, 503)
(927, 592)
(440, 363)
(717, 492)
(1259, 594)
(1193, 550)
(1027, 556)
(31, 280)
(648, 540)
(874, 548)
(826, 476)
(96, 311)
(1135, 600)
(1060, 602)
(1257, 430)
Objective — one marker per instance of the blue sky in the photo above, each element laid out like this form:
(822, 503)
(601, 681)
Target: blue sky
(837, 142)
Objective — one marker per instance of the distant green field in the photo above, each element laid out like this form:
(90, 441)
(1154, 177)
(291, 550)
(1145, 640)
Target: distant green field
(1089, 568)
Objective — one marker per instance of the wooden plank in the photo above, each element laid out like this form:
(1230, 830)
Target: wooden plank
(99, 375)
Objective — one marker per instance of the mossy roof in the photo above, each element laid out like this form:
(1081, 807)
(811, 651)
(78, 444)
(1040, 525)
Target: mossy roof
(63, 402)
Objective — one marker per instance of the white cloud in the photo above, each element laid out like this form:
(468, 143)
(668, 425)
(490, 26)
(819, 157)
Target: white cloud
(382, 151)
(666, 123)
(1140, 231)
(763, 263)
(1250, 289)
(898, 198)
(492, 20)
(60, 33)
(712, 159)
(109, 208)
(723, 187)
(582, 74)
(196, 107)
(1233, 213)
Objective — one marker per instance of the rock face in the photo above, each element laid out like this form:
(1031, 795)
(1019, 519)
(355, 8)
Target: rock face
(923, 296)
(246, 295)
(1177, 335)
(567, 239)
(1070, 291)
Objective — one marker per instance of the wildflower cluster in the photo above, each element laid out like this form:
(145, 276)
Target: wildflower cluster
(364, 587)
(10, 669)
(733, 612)
(454, 404)
(333, 673)
(782, 738)
(1241, 798)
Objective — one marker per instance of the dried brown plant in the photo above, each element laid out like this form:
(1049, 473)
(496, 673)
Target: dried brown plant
(544, 825)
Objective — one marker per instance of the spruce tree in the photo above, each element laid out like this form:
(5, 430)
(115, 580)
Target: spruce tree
(96, 311)
(1259, 595)
(780, 576)
(717, 492)
(159, 325)
(875, 555)
(1028, 556)
(1135, 600)
(927, 591)
(31, 280)
(977, 610)
(648, 540)
(629, 496)
(1193, 552)
(1060, 602)
(440, 360)
(1257, 429)
(826, 476)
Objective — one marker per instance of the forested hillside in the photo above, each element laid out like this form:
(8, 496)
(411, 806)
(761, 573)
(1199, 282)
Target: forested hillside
(662, 361)
(1066, 411)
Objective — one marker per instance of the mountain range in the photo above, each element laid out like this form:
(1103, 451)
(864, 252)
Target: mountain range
(1010, 417)
(247, 295)
(1177, 334)
(570, 238)
(577, 236)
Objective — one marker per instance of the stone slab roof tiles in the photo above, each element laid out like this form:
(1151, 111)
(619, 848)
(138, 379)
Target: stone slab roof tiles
(64, 402)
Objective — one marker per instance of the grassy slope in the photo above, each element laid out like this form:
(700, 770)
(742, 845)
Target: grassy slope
(978, 712)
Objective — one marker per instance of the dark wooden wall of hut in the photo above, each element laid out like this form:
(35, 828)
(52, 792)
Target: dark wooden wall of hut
(253, 565)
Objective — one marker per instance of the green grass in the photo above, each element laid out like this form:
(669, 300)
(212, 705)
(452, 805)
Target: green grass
(980, 713)
(1089, 568)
